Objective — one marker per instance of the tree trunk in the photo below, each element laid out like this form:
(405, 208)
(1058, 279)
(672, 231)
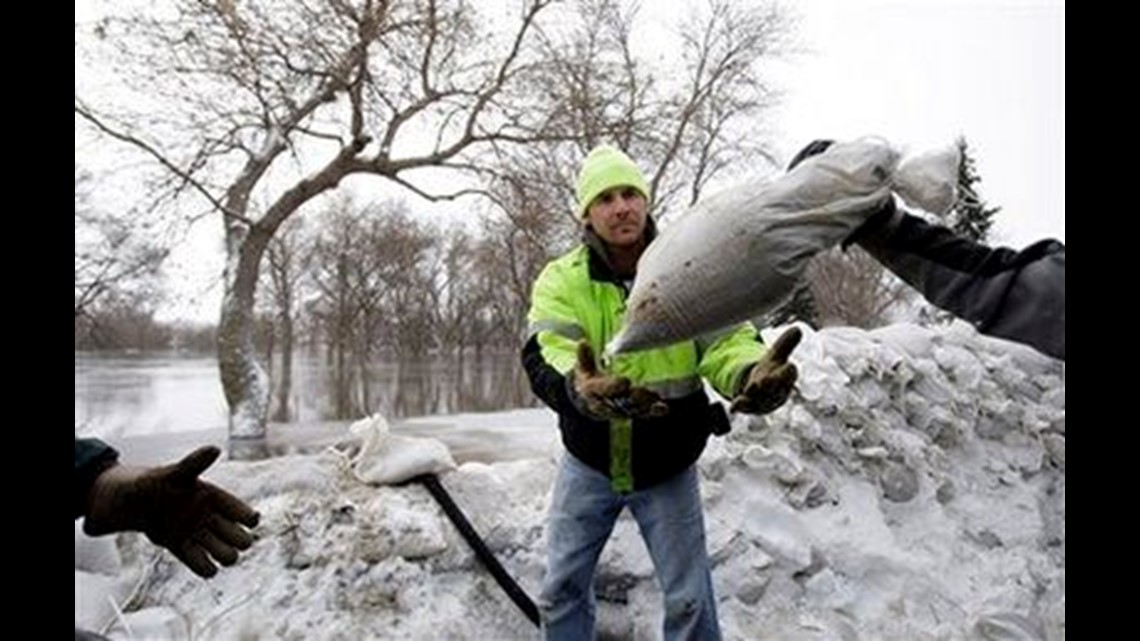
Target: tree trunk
(343, 383)
(285, 389)
(244, 380)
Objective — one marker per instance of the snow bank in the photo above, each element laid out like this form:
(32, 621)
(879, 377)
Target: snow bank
(913, 489)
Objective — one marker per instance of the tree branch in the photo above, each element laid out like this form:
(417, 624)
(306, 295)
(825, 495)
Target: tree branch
(157, 155)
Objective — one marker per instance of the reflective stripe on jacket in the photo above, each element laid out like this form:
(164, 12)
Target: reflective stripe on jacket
(578, 297)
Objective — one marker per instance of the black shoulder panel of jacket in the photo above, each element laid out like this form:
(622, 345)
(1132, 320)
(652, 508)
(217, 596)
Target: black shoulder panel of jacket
(545, 381)
(92, 456)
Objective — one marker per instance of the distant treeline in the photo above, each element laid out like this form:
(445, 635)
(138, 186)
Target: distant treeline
(124, 330)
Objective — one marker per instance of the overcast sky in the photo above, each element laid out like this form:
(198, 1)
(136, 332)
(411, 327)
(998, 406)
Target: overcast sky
(921, 72)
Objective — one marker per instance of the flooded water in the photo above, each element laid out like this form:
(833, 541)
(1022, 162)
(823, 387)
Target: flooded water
(147, 394)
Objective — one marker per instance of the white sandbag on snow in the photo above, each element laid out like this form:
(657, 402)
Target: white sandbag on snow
(387, 458)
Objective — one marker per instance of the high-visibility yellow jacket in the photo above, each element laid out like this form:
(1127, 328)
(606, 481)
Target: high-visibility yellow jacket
(578, 296)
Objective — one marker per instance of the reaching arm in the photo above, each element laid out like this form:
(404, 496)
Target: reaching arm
(1017, 295)
(196, 520)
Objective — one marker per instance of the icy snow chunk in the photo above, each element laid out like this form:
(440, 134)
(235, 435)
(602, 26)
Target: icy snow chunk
(96, 554)
(876, 453)
(1055, 446)
(252, 480)
(1054, 397)
(781, 465)
(851, 348)
(869, 393)
(899, 482)
(779, 531)
(94, 594)
(156, 623)
(1008, 626)
(964, 368)
(913, 340)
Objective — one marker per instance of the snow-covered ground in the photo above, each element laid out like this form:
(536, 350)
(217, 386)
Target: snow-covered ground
(913, 489)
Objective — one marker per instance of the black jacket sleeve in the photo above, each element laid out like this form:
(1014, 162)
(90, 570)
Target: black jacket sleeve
(1017, 295)
(92, 457)
(546, 382)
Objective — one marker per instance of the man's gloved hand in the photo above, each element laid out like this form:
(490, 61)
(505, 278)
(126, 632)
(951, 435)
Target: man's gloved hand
(606, 396)
(193, 519)
(772, 377)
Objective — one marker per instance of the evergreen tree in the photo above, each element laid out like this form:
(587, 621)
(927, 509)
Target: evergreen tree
(970, 216)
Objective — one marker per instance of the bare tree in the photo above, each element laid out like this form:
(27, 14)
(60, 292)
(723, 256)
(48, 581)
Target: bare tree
(532, 228)
(450, 293)
(344, 276)
(116, 265)
(374, 268)
(852, 288)
(696, 119)
(713, 126)
(282, 101)
(289, 254)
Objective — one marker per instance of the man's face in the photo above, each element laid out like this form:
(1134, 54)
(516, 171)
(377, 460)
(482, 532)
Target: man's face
(618, 216)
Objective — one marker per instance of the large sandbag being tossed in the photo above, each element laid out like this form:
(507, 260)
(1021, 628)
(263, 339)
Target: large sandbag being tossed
(738, 254)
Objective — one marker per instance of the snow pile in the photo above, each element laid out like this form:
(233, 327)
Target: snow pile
(913, 489)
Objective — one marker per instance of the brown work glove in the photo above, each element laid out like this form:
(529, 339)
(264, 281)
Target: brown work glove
(193, 519)
(772, 377)
(604, 397)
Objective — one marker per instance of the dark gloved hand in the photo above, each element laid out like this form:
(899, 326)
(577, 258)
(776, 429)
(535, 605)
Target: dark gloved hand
(606, 397)
(772, 377)
(877, 223)
(813, 148)
(175, 509)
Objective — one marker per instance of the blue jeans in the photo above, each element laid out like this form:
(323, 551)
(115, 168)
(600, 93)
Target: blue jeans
(582, 516)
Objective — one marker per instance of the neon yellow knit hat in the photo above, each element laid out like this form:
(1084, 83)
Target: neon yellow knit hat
(605, 167)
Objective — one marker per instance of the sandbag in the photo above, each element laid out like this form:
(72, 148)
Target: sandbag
(385, 458)
(740, 253)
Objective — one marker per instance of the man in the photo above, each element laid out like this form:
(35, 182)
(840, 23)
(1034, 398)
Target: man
(1016, 295)
(634, 429)
(197, 521)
